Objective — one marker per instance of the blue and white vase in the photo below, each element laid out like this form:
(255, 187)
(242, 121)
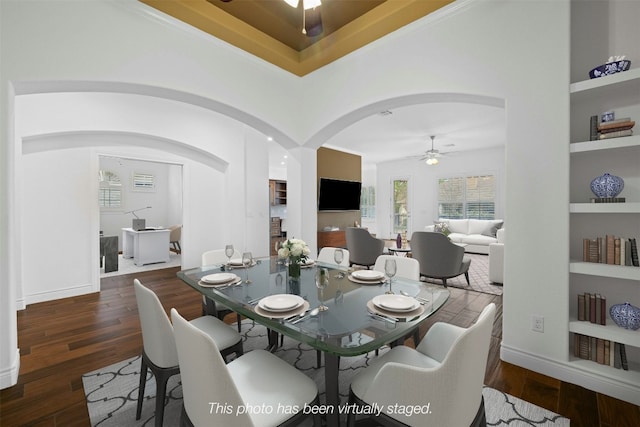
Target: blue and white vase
(607, 185)
(625, 315)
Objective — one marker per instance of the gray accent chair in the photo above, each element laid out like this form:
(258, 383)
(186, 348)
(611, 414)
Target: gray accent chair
(364, 249)
(439, 258)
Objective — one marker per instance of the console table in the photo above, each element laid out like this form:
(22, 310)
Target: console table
(145, 246)
(335, 239)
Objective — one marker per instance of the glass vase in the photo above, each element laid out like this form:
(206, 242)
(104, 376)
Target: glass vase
(294, 270)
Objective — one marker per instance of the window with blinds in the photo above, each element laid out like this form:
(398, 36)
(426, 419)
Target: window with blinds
(368, 202)
(110, 197)
(143, 181)
(467, 197)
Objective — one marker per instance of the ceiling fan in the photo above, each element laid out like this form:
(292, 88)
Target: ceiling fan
(311, 19)
(431, 156)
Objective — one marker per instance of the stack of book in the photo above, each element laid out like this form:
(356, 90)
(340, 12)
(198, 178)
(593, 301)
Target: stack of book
(611, 250)
(601, 351)
(592, 308)
(611, 129)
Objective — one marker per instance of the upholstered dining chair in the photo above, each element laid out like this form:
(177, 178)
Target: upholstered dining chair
(326, 255)
(363, 248)
(257, 379)
(159, 352)
(445, 373)
(209, 306)
(438, 256)
(408, 268)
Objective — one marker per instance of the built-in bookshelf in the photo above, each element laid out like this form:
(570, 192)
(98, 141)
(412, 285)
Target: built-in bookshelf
(619, 93)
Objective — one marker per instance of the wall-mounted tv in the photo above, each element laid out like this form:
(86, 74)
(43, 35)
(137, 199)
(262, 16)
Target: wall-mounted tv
(338, 195)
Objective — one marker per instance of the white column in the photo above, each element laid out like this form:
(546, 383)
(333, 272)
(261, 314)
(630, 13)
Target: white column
(302, 198)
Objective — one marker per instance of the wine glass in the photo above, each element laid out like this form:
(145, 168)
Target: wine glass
(228, 251)
(322, 281)
(247, 259)
(390, 269)
(338, 257)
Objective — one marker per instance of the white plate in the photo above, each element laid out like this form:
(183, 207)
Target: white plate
(398, 303)
(237, 262)
(308, 262)
(367, 275)
(281, 302)
(218, 278)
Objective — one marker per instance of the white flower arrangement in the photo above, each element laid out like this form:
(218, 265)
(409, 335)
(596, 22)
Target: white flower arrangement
(295, 250)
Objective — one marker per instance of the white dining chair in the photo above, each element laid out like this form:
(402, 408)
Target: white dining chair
(257, 379)
(409, 268)
(326, 255)
(159, 352)
(446, 372)
(209, 306)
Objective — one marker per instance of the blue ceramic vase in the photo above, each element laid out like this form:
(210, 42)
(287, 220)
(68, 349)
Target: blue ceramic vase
(625, 315)
(607, 185)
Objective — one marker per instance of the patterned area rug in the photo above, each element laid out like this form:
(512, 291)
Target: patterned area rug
(478, 276)
(111, 392)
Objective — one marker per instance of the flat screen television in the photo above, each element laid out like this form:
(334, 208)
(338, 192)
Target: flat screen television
(338, 195)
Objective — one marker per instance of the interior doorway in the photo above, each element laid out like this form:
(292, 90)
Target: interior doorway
(138, 189)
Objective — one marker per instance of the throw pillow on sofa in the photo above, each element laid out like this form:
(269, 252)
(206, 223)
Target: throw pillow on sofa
(485, 227)
(442, 227)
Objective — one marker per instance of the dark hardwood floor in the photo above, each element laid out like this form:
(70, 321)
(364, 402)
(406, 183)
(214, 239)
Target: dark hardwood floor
(61, 340)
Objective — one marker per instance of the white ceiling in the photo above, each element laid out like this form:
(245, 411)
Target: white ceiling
(405, 133)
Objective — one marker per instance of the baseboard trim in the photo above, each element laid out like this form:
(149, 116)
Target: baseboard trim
(59, 293)
(9, 375)
(571, 373)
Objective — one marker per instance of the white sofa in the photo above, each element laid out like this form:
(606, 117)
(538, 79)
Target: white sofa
(496, 259)
(477, 234)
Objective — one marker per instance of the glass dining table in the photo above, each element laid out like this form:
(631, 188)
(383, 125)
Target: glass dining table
(355, 322)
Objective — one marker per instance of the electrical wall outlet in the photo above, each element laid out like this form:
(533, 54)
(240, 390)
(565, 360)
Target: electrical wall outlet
(537, 323)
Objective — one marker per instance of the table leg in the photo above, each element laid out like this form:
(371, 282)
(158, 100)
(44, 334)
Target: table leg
(331, 370)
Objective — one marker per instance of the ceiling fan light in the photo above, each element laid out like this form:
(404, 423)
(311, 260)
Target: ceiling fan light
(432, 161)
(308, 4)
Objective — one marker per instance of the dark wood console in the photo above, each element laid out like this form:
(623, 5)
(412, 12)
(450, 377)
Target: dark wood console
(336, 239)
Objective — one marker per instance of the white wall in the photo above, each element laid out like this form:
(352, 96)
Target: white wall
(489, 48)
(57, 199)
(423, 185)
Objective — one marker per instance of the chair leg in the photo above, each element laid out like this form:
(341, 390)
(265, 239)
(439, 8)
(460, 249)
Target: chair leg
(239, 320)
(162, 375)
(444, 282)
(466, 275)
(318, 359)
(143, 383)
(161, 392)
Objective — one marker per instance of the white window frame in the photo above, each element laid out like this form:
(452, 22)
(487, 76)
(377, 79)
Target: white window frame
(465, 200)
(143, 181)
(393, 231)
(368, 209)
